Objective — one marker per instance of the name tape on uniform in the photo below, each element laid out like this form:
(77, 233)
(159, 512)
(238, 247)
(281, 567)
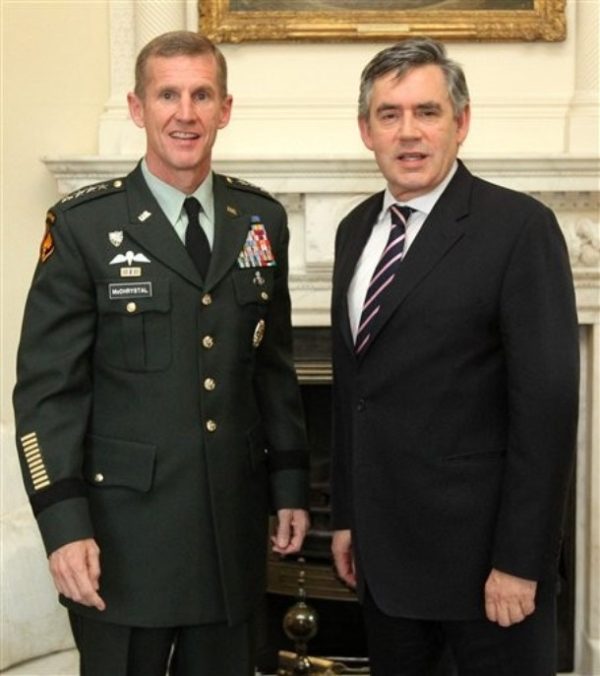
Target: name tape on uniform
(130, 290)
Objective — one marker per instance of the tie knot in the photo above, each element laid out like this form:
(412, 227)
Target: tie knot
(400, 214)
(192, 209)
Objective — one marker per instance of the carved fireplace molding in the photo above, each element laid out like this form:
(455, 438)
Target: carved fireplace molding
(318, 193)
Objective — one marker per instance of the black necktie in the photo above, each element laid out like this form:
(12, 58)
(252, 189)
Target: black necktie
(196, 241)
(383, 275)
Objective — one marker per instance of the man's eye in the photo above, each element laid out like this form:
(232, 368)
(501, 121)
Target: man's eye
(167, 95)
(201, 96)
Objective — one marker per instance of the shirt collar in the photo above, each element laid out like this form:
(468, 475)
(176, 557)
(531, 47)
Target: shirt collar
(170, 200)
(422, 203)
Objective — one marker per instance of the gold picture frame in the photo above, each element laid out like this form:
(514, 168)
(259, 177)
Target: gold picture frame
(349, 20)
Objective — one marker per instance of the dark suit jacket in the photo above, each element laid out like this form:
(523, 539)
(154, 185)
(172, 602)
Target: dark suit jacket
(454, 432)
(157, 417)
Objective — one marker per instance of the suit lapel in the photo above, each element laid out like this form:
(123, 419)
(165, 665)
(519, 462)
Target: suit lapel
(231, 228)
(359, 231)
(150, 228)
(442, 229)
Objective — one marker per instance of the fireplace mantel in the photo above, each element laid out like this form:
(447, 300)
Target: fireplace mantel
(564, 173)
(318, 192)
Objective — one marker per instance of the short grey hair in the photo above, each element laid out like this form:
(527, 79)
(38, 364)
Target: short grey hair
(405, 56)
(179, 43)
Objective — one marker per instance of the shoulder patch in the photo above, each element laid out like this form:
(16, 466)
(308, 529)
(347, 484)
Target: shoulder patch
(90, 192)
(240, 184)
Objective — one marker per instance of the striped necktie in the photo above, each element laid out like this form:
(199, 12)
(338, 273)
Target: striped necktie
(196, 241)
(383, 275)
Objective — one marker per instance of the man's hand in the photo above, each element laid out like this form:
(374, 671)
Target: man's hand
(75, 568)
(508, 599)
(292, 526)
(343, 556)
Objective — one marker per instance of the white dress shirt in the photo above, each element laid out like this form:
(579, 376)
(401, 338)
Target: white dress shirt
(375, 245)
(170, 200)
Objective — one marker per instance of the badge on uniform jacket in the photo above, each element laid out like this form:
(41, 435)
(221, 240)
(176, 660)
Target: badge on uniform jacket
(259, 333)
(129, 257)
(47, 245)
(256, 252)
(116, 237)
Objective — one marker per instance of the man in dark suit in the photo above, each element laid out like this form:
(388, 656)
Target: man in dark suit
(455, 356)
(158, 412)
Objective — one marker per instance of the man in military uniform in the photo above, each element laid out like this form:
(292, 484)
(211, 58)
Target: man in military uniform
(158, 412)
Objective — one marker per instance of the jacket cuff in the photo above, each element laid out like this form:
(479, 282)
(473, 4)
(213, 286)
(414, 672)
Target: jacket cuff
(65, 522)
(289, 489)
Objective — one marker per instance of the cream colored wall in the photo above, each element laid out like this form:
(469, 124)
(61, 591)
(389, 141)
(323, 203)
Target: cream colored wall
(55, 80)
(299, 100)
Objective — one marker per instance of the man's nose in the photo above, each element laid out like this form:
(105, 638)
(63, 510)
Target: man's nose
(184, 110)
(408, 126)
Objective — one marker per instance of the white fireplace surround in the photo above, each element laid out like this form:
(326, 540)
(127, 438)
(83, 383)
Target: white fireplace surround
(318, 193)
(318, 190)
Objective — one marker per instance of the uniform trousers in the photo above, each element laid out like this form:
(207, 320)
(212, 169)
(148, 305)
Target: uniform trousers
(201, 650)
(409, 647)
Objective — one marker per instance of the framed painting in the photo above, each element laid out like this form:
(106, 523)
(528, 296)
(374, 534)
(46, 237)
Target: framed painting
(389, 20)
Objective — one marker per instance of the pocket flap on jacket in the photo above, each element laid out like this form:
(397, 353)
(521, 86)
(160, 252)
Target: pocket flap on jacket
(115, 462)
(253, 285)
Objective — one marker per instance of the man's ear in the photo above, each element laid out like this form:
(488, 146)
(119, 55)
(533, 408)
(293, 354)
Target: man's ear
(462, 124)
(365, 132)
(226, 105)
(136, 109)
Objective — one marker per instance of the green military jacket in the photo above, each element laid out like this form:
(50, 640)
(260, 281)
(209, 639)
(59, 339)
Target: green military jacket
(158, 412)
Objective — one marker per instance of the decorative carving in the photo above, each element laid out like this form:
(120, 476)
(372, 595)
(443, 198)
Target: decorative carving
(578, 214)
(589, 237)
(545, 21)
(584, 246)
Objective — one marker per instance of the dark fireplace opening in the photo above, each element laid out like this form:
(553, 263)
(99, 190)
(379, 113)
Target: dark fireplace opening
(341, 631)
